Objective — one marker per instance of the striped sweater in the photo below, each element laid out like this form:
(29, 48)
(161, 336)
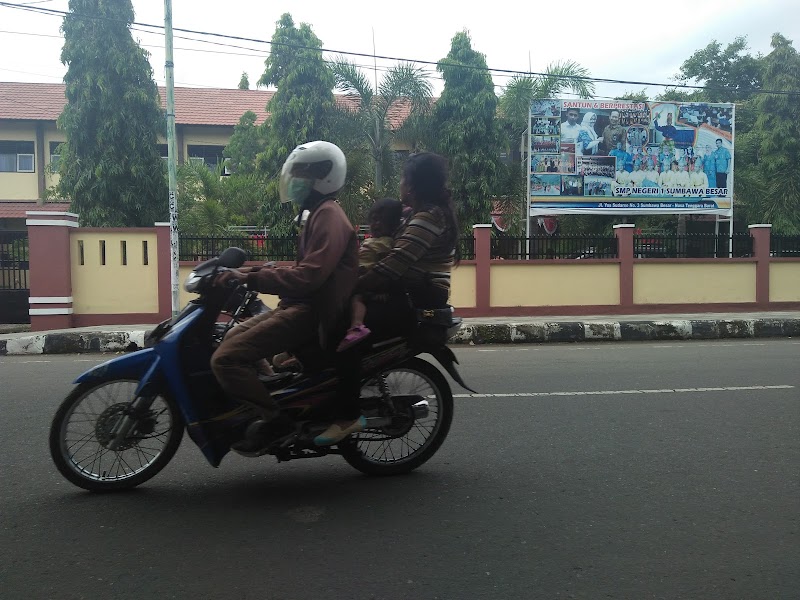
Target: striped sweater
(421, 259)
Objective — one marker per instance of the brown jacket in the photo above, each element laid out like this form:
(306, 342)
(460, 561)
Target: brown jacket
(326, 271)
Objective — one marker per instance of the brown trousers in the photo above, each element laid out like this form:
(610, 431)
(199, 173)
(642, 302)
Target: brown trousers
(263, 336)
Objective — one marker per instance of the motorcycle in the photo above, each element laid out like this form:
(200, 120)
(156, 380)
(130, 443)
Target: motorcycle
(125, 419)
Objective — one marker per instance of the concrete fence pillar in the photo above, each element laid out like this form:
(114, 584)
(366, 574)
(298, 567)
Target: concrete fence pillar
(624, 235)
(761, 250)
(482, 235)
(50, 268)
(164, 270)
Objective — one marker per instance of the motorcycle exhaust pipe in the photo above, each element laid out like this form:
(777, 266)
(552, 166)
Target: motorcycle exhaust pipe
(420, 409)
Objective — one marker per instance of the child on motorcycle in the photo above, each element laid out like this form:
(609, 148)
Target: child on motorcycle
(384, 217)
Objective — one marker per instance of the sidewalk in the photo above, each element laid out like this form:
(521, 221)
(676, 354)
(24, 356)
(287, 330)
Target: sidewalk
(489, 330)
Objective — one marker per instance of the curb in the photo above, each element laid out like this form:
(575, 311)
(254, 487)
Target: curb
(625, 331)
(536, 332)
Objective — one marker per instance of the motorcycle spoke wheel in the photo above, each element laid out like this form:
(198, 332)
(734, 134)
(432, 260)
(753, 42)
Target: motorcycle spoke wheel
(83, 431)
(380, 452)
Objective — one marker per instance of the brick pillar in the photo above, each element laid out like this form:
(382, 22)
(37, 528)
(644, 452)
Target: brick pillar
(624, 235)
(761, 243)
(50, 268)
(164, 269)
(483, 253)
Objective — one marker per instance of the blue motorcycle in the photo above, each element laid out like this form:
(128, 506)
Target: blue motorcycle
(125, 419)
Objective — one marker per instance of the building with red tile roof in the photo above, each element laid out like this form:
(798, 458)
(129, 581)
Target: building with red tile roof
(29, 136)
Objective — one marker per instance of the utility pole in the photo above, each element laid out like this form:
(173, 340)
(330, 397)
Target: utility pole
(171, 158)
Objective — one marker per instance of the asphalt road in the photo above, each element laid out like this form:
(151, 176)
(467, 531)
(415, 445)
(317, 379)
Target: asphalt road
(620, 470)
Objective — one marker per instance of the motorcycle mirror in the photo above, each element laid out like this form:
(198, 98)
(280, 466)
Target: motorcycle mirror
(233, 258)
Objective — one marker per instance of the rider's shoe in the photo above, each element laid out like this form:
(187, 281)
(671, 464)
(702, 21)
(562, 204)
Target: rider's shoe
(260, 435)
(338, 431)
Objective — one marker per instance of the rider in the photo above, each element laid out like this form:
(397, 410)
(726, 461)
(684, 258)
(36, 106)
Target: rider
(314, 292)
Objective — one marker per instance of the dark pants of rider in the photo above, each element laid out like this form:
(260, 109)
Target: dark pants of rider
(262, 336)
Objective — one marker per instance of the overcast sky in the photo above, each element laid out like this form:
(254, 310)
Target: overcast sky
(638, 41)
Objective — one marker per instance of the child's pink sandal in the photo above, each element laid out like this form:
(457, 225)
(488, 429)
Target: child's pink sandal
(353, 337)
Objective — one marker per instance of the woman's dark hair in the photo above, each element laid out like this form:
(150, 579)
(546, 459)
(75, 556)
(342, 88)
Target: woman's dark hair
(389, 210)
(427, 175)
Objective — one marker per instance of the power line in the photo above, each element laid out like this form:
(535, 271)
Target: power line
(499, 72)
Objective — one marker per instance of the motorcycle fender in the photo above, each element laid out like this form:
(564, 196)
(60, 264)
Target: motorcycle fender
(445, 357)
(135, 366)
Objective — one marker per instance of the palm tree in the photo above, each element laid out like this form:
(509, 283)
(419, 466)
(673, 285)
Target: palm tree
(402, 85)
(559, 76)
(514, 108)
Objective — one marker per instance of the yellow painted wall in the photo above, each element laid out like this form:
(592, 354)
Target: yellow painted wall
(20, 186)
(114, 288)
(462, 293)
(784, 282)
(567, 284)
(205, 136)
(688, 283)
(462, 286)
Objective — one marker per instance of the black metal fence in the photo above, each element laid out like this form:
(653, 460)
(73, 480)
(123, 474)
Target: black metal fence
(785, 246)
(258, 247)
(14, 282)
(694, 245)
(566, 246)
(537, 247)
(14, 260)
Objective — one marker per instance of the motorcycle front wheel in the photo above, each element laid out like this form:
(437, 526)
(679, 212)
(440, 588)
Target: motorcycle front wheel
(86, 450)
(393, 451)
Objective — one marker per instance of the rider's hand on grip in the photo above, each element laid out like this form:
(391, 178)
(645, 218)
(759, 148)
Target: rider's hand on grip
(230, 278)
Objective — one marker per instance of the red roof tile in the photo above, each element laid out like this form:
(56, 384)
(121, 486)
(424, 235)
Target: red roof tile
(17, 210)
(193, 106)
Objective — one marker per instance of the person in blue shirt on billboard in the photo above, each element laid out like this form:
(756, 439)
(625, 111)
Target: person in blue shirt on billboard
(668, 130)
(623, 158)
(709, 168)
(721, 158)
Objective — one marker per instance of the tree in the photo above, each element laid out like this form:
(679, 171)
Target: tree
(245, 144)
(244, 82)
(300, 110)
(729, 74)
(771, 174)
(514, 111)
(467, 132)
(110, 167)
(402, 84)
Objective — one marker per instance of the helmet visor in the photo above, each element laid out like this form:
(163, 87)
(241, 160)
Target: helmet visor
(295, 189)
(299, 178)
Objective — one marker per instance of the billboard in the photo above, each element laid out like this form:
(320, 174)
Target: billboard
(621, 157)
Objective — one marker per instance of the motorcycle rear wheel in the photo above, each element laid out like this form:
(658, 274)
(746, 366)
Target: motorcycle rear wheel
(82, 430)
(376, 453)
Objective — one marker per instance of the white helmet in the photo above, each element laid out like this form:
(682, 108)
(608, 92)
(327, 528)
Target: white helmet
(318, 166)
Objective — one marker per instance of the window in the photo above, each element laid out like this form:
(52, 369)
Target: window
(55, 156)
(210, 155)
(16, 157)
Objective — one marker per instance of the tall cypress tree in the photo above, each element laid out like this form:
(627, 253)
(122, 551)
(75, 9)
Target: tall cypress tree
(110, 167)
(467, 131)
(301, 108)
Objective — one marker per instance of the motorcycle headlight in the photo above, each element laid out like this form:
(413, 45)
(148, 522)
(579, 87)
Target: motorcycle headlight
(192, 282)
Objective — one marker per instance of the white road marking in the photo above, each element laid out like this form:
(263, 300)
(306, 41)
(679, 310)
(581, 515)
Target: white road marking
(734, 388)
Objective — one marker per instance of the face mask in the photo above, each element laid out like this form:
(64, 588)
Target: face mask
(299, 189)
